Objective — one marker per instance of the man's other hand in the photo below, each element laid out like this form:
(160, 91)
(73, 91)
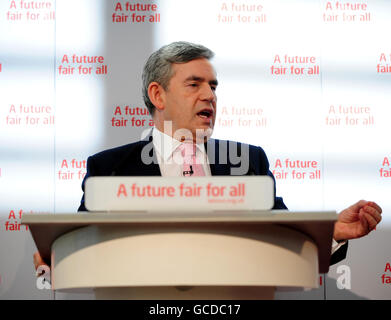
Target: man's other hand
(38, 261)
(357, 221)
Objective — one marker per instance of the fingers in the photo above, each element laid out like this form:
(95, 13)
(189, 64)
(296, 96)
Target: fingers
(364, 222)
(375, 206)
(368, 220)
(40, 266)
(367, 212)
(374, 212)
(364, 204)
(37, 260)
(357, 206)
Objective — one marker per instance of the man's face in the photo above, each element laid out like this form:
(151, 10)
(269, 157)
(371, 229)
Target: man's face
(190, 99)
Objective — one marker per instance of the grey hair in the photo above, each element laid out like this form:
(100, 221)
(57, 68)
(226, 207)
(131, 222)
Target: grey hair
(158, 66)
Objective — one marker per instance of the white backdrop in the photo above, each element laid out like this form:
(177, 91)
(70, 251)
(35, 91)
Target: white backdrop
(309, 81)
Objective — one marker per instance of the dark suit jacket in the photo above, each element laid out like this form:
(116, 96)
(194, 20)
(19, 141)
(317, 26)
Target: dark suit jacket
(127, 161)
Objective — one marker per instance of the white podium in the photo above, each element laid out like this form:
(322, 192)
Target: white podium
(220, 255)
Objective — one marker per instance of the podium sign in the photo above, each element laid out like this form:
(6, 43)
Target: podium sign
(200, 194)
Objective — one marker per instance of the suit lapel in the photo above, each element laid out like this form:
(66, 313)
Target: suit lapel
(140, 160)
(149, 166)
(217, 167)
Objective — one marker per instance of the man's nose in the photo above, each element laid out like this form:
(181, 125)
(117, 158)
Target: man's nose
(208, 94)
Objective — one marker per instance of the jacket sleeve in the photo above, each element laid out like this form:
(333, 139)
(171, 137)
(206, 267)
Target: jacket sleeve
(340, 254)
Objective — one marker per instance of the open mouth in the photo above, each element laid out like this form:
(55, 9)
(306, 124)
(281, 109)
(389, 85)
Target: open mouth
(205, 113)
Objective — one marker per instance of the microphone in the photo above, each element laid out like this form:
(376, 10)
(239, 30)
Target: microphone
(190, 172)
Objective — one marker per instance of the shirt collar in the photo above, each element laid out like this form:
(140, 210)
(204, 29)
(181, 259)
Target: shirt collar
(165, 145)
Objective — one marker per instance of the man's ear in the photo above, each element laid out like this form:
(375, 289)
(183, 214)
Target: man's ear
(156, 94)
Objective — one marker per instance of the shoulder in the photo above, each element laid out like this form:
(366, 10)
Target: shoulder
(104, 162)
(118, 151)
(241, 153)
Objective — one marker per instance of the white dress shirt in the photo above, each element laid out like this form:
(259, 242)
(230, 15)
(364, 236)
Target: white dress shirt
(169, 156)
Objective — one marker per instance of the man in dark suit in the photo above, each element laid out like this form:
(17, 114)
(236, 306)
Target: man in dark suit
(179, 90)
(127, 160)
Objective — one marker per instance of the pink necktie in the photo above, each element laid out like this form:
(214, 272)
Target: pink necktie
(190, 167)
